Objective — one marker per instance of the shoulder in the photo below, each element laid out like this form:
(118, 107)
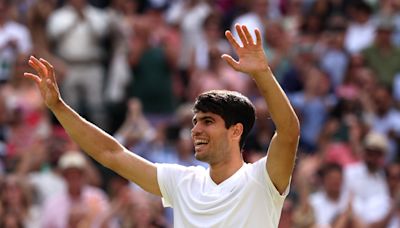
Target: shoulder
(179, 171)
(16, 27)
(63, 13)
(354, 169)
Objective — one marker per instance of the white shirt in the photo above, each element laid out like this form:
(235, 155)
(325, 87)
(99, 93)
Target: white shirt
(359, 36)
(12, 31)
(246, 199)
(252, 21)
(371, 200)
(78, 40)
(325, 209)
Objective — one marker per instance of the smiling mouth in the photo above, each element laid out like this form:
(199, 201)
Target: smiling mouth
(199, 142)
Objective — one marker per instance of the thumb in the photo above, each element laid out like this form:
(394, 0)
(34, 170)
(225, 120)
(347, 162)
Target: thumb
(233, 63)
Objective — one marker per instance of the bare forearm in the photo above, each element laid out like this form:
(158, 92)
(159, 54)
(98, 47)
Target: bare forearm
(89, 137)
(279, 106)
(106, 150)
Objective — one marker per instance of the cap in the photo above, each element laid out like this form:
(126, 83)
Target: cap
(376, 141)
(72, 159)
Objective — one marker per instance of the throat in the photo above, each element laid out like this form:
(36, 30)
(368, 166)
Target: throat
(220, 172)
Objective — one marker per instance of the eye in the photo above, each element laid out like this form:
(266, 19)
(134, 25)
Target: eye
(208, 122)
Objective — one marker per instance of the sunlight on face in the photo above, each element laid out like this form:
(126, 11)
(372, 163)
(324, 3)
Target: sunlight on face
(210, 138)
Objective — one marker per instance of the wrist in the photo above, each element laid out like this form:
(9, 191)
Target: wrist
(57, 105)
(262, 73)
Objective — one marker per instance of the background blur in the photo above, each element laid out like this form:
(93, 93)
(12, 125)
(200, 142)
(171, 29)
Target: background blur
(134, 68)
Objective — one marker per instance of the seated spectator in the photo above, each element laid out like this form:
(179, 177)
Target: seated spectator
(366, 182)
(15, 41)
(80, 203)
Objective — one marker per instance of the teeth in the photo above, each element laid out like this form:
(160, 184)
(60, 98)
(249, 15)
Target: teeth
(200, 141)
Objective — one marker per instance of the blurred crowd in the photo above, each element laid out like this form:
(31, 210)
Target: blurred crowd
(134, 68)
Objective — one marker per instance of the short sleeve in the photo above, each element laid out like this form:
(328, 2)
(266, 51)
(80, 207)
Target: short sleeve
(168, 176)
(262, 176)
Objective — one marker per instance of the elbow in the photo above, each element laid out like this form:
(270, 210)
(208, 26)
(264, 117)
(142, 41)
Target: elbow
(107, 159)
(291, 130)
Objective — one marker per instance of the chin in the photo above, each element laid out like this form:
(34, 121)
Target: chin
(200, 158)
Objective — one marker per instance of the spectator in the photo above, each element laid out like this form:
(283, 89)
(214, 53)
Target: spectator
(80, 203)
(329, 201)
(15, 41)
(17, 202)
(38, 15)
(366, 182)
(360, 31)
(77, 37)
(392, 218)
(189, 17)
(123, 15)
(313, 105)
(385, 119)
(154, 59)
(382, 56)
(255, 18)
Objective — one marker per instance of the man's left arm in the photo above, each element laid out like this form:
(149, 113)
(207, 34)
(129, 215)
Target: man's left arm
(283, 146)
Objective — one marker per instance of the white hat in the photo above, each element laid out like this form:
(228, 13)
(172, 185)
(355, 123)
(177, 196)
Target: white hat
(374, 140)
(72, 159)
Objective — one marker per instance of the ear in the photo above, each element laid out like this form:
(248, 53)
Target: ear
(237, 130)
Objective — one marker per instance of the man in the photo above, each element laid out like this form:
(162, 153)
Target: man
(79, 201)
(77, 34)
(365, 180)
(228, 194)
(15, 41)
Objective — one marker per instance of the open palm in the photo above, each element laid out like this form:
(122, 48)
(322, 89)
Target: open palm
(45, 79)
(252, 59)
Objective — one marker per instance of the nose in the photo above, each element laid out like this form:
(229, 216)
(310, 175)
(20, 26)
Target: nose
(195, 130)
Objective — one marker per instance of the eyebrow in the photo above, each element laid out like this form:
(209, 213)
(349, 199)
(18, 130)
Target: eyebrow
(195, 119)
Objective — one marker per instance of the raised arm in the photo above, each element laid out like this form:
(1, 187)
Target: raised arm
(94, 141)
(283, 147)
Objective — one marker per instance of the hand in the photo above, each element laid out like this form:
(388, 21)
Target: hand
(46, 81)
(252, 59)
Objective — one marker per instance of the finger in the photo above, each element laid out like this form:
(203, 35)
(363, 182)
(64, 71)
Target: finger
(233, 63)
(34, 66)
(258, 36)
(232, 40)
(50, 69)
(33, 77)
(247, 34)
(241, 35)
(38, 66)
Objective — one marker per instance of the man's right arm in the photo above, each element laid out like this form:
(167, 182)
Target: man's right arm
(94, 141)
(106, 150)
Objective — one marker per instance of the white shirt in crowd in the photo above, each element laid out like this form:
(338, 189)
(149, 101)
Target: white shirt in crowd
(246, 199)
(371, 200)
(325, 209)
(12, 32)
(78, 39)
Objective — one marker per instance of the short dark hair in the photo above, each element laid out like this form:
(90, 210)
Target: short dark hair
(233, 107)
(329, 167)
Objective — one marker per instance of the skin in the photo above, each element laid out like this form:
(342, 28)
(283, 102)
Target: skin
(221, 150)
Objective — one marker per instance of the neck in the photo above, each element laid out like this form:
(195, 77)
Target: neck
(334, 196)
(75, 194)
(222, 171)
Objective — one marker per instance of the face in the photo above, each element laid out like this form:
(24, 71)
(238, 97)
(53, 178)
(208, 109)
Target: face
(333, 182)
(374, 159)
(211, 139)
(75, 179)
